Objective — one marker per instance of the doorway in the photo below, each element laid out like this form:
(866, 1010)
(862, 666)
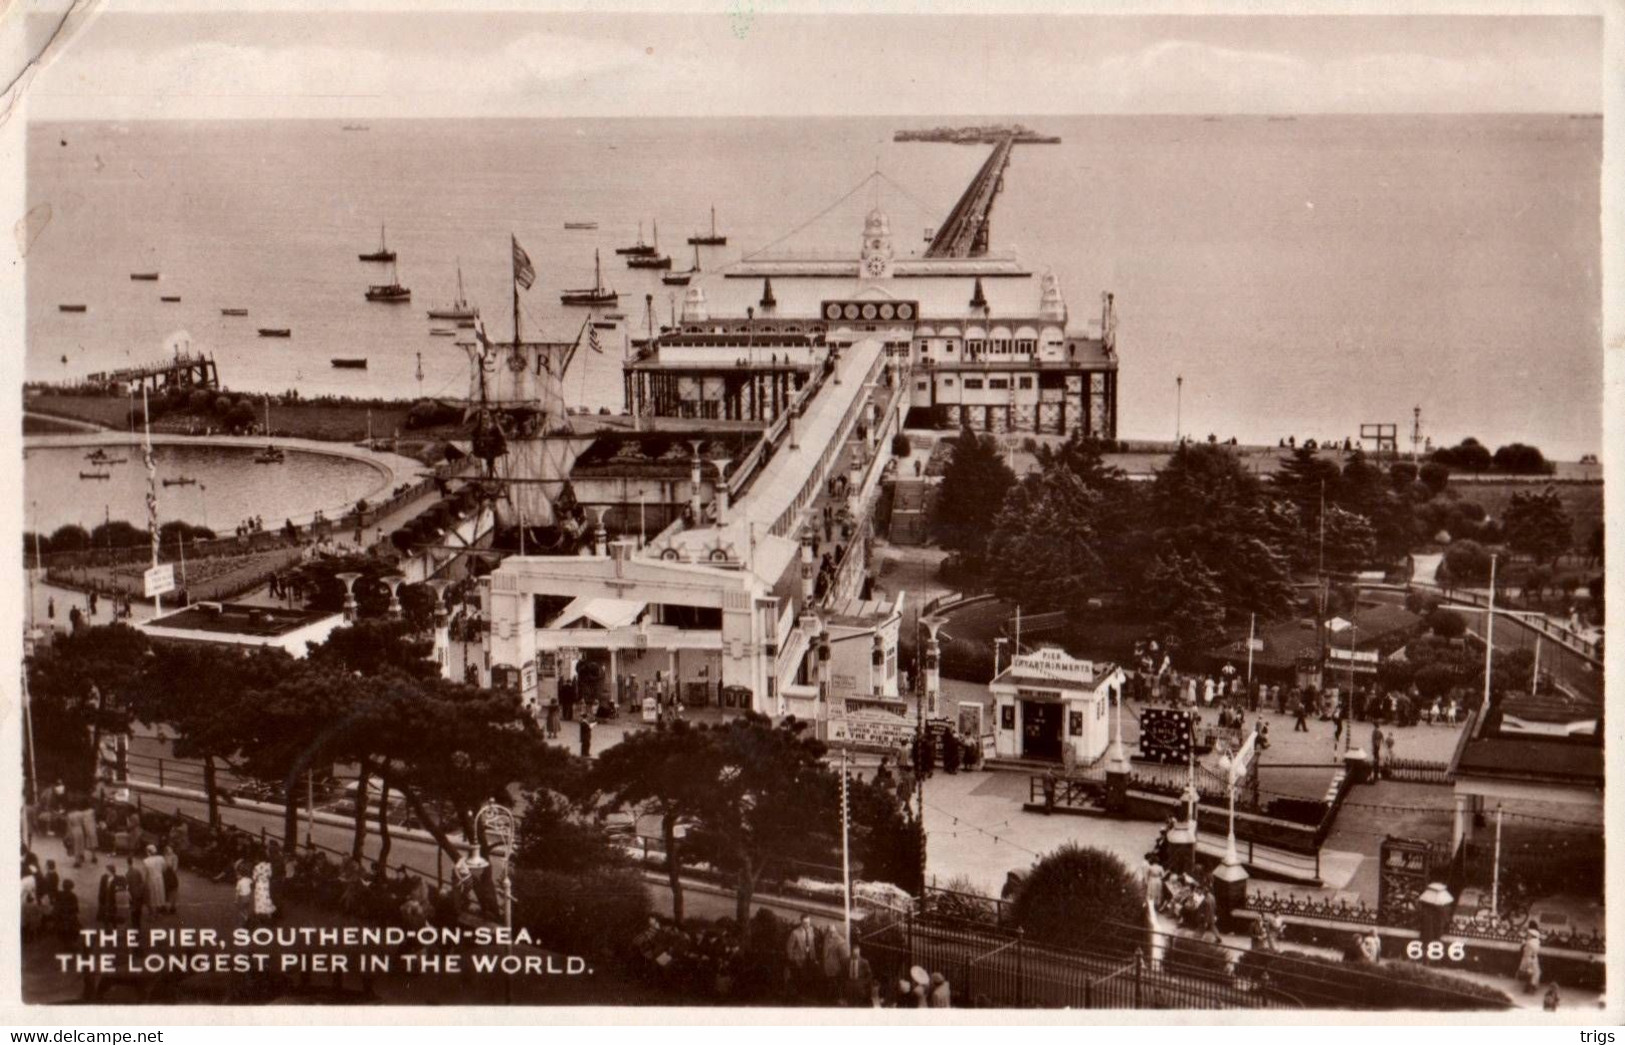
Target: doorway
(1041, 730)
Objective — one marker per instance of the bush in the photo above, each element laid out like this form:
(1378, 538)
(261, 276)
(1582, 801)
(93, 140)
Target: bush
(1435, 476)
(200, 401)
(1465, 562)
(901, 446)
(1520, 459)
(1446, 623)
(593, 914)
(964, 901)
(1403, 475)
(1196, 958)
(1082, 898)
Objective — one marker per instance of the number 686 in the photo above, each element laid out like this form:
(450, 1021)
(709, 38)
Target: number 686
(1435, 951)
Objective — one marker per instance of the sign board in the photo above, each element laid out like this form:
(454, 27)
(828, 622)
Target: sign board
(651, 710)
(159, 580)
(1256, 645)
(1165, 734)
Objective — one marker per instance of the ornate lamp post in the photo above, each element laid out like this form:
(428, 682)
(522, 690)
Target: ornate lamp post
(442, 625)
(394, 581)
(350, 609)
(498, 821)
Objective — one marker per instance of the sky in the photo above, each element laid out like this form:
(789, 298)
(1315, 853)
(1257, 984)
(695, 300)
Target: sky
(763, 58)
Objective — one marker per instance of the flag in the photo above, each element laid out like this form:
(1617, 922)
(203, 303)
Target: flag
(592, 340)
(524, 273)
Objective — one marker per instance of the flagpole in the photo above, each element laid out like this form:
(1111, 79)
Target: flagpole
(514, 258)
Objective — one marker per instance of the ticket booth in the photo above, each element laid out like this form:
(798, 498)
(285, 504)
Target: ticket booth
(1051, 707)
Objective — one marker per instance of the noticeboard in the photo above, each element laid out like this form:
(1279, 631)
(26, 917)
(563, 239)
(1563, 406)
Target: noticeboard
(159, 580)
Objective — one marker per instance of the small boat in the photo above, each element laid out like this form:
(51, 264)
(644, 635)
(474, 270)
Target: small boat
(639, 249)
(653, 259)
(357, 127)
(581, 225)
(95, 475)
(383, 253)
(70, 308)
(680, 279)
(442, 333)
(465, 324)
(269, 455)
(350, 364)
(614, 315)
(459, 309)
(712, 240)
(597, 294)
(97, 454)
(183, 481)
(391, 293)
(234, 312)
(147, 277)
(599, 324)
(170, 298)
(275, 332)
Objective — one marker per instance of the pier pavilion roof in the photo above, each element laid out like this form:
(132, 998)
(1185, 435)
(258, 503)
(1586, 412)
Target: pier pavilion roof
(941, 298)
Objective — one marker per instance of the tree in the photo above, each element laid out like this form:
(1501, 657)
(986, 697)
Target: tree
(885, 836)
(669, 772)
(772, 802)
(1402, 475)
(1045, 541)
(556, 835)
(69, 538)
(1446, 624)
(972, 491)
(1085, 899)
(1351, 543)
(77, 688)
(1469, 455)
(374, 647)
(1307, 480)
(1520, 459)
(1184, 597)
(1465, 562)
(1538, 525)
(1435, 475)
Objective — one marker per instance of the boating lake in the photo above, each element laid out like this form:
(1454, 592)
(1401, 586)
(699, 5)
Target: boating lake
(230, 487)
(1303, 275)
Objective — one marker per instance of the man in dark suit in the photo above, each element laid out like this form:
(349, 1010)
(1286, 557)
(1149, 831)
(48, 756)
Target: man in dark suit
(859, 981)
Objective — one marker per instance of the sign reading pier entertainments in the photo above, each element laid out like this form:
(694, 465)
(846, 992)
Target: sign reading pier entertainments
(159, 580)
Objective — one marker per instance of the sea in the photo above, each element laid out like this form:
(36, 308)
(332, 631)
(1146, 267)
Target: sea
(1273, 276)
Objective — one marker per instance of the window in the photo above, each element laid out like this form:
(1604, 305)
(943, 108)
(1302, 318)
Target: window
(1026, 344)
(973, 345)
(973, 383)
(999, 383)
(920, 385)
(1024, 382)
(949, 345)
(1002, 346)
(948, 382)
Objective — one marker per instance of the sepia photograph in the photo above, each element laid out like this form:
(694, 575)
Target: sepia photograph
(751, 505)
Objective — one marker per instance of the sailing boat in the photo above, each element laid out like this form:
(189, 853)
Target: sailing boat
(639, 249)
(680, 279)
(383, 253)
(713, 240)
(595, 295)
(391, 293)
(653, 259)
(460, 309)
(269, 455)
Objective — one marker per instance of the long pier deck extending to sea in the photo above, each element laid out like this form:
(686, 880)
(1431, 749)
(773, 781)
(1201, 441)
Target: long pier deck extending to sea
(965, 233)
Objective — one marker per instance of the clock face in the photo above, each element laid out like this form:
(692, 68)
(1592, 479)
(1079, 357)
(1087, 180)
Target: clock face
(516, 362)
(1164, 733)
(875, 266)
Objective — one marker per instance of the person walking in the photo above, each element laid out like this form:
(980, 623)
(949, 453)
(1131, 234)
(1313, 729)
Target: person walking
(157, 895)
(1298, 709)
(800, 950)
(859, 983)
(1376, 751)
(1529, 961)
(172, 875)
(940, 997)
(135, 880)
(106, 907)
(586, 736)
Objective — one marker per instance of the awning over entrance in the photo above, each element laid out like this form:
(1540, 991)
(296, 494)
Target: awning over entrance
(602, 613)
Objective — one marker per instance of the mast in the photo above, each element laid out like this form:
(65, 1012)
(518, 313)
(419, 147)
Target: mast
(462, 300)
(713, 224)
(657, 238)
(598, 272)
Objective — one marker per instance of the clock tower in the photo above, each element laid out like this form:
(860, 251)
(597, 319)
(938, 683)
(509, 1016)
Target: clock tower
(875, 259)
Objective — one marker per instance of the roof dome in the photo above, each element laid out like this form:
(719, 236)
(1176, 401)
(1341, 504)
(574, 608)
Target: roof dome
(1051, 305)
(694, 310)
(877, 224)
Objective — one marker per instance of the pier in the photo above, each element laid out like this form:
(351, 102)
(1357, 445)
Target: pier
(182, 370)
(965, 233)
